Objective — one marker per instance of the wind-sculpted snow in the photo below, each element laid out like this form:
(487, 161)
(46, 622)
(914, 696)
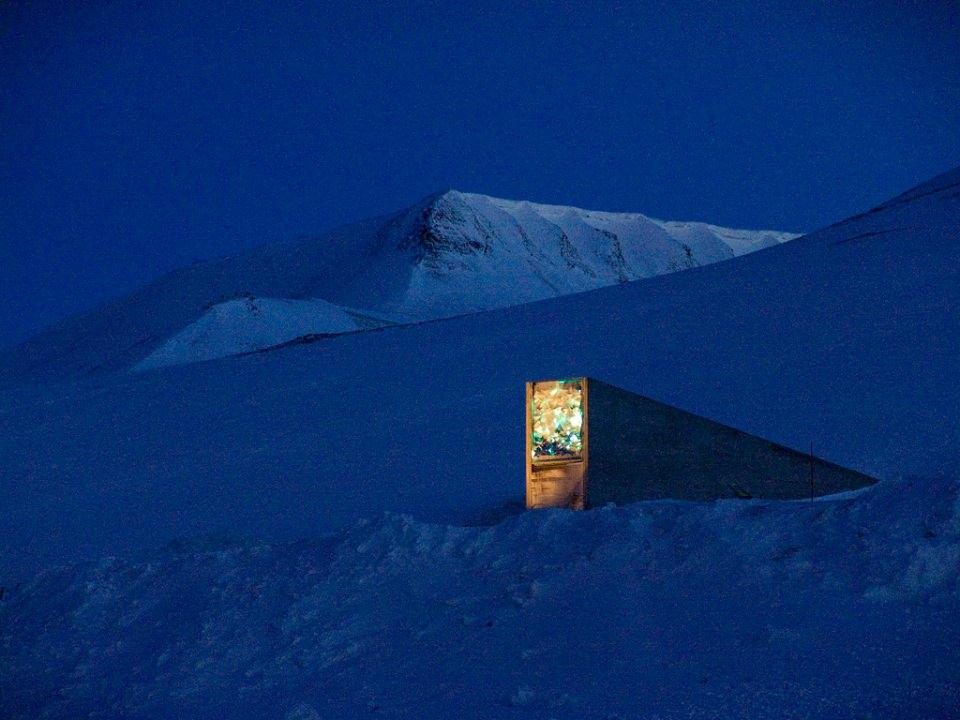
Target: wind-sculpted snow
(841, 608)
(452, 253)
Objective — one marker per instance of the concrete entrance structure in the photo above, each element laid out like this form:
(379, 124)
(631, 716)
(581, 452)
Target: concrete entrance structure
(590, 443)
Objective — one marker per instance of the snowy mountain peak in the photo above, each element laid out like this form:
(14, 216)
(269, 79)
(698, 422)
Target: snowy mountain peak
(447, 224)
(607, 247)
(451, 253)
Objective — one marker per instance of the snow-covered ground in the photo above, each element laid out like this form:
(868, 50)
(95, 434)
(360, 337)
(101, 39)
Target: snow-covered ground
(839, 608)
(452, 253)
(846, 338)
(842, 609)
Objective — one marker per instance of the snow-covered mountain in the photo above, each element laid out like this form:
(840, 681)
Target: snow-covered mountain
(846, 338)
(450, 254)
(840, 608)
(248, 324)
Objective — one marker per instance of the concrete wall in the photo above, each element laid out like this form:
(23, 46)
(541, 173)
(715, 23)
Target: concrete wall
(641, 449)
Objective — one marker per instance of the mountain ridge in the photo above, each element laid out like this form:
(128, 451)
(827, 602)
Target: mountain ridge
(849, 344)
(449, 254)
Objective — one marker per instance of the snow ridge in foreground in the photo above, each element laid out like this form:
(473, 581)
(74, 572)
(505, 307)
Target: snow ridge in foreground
(734, 609)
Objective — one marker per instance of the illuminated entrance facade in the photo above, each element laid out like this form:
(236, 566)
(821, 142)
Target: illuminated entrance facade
(557, 443)
(589, 443)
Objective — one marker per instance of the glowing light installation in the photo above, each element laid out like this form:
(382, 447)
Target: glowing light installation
(557, 419)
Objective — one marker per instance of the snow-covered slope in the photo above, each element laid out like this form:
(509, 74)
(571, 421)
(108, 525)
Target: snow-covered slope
(249, 324)
(740, 242)
(846, 338)
(841, 609)
(450, 254)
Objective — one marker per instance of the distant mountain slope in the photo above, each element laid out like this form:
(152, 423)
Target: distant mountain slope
(846, 338)
(248, 324)
(450, 254)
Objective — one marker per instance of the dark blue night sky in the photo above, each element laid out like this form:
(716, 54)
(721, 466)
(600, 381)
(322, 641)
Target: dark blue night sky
(142, 136)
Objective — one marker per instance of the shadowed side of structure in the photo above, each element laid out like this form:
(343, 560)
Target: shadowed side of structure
(628, 447)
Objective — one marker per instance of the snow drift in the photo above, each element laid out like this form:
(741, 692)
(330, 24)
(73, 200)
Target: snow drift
(843, 608)
(452, 253)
